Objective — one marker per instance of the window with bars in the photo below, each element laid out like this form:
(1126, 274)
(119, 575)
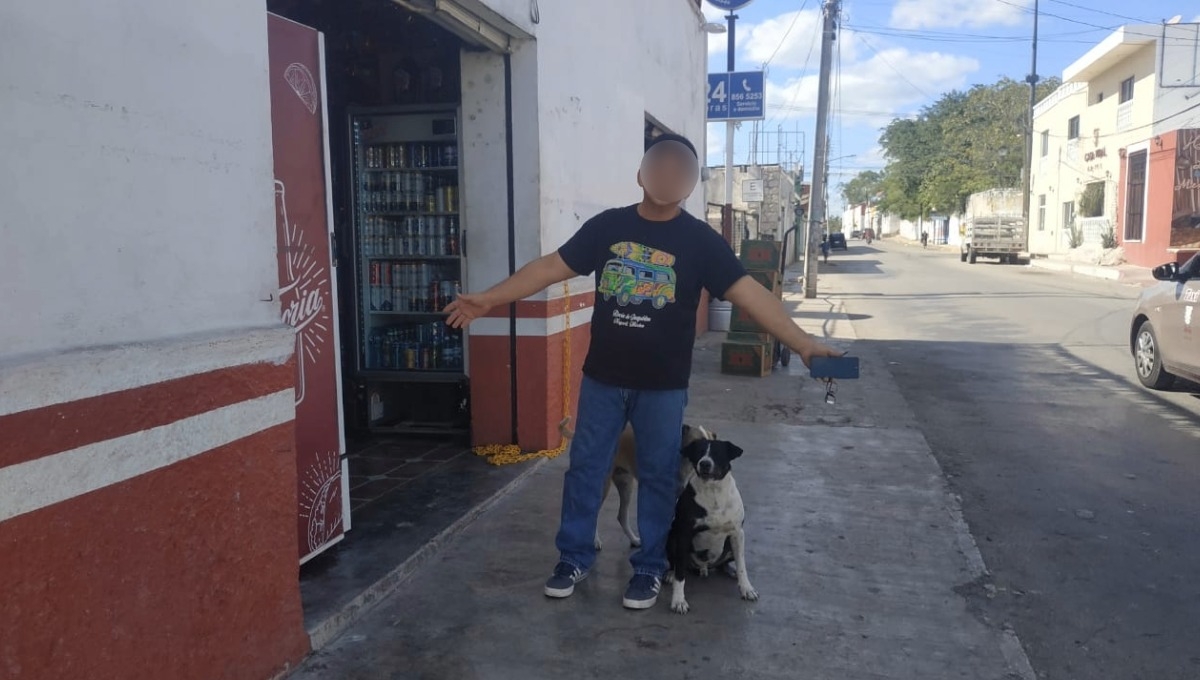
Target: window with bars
(1135, 196)
(1073, 128)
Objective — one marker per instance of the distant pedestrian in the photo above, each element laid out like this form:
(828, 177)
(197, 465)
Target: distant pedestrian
(924, 239)
(825, 248)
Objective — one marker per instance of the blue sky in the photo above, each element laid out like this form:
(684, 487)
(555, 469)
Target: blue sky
(896, 56)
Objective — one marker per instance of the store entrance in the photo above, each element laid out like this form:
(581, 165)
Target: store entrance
(392, 95)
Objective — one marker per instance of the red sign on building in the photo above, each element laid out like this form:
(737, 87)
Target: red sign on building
(306, 277)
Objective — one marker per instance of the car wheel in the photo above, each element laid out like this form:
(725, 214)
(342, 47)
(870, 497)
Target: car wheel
(1147, 360)
(785, 356)
(962, 256)
(971, 256)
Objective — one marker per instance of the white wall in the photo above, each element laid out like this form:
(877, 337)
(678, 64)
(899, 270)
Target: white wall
(601, 68)
(1175, 107)
(485, 162)
(136, 176)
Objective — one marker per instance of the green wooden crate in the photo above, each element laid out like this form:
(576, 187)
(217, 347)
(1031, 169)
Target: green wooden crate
(750, 359)
(762, 254)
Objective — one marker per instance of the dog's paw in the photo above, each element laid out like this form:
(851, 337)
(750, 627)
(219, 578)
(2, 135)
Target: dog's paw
(748, 592)
(669, 577)
(703, 572)
(679, 606)
(598, 543)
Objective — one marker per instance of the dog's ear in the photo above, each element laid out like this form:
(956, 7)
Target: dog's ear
(734, 451)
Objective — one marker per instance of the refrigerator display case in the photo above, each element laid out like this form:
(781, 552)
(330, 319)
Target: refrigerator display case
(408, 242)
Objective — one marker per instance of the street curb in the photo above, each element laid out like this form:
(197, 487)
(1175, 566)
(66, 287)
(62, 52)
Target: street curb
(1089, 270)
(328, 630)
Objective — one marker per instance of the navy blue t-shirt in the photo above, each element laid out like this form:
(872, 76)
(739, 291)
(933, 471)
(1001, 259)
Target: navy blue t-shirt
(648, 281)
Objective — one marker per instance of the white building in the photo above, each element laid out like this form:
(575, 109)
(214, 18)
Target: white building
(148, 388)
(774, 212)
(1111, 97)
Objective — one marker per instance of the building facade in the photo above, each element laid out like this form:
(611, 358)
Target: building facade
(149, 485)
(1112, 97)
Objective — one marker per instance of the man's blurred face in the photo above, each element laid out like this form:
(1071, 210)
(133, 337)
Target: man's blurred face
(669, 172)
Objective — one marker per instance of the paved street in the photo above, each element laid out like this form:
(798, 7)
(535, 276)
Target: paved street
(1081, 489)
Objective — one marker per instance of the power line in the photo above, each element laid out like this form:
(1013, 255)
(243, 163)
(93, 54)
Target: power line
(1106, 135)
(1101, 11)
(800, 80)
(896, 70)
(778, 47)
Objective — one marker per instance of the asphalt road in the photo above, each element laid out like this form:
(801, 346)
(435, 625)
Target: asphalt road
(1081, 488)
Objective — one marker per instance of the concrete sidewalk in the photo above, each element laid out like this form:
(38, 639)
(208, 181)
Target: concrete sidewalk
(854, 544)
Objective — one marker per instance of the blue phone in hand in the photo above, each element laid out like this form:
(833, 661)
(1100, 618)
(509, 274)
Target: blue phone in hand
(834, 368)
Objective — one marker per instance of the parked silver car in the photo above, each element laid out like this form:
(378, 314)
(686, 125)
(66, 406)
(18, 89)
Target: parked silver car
(1165, 335)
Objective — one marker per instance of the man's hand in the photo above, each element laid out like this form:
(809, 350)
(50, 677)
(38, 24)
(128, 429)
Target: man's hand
(467, 308)
(816, 349)
(531, 278)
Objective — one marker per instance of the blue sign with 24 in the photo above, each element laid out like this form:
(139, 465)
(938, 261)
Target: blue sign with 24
(736, 96)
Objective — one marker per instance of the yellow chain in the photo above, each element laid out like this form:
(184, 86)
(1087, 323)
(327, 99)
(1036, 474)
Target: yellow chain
(507, 454)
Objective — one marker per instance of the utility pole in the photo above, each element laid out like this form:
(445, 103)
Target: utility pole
(730, 130)
(817, 199)
(1027, 174)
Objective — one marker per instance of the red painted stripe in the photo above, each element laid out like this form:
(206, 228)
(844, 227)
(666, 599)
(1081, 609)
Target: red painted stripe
(40, 432)
(187, 572)
(545, 309)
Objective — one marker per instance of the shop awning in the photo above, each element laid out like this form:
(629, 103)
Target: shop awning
(470, 20)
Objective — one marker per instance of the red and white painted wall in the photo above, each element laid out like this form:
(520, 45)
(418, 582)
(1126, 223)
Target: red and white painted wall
(577, 131)
(147, 472)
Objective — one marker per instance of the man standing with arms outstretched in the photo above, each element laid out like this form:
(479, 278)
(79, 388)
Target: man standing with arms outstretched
(650, 260)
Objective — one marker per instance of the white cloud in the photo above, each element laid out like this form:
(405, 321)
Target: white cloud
(871, 91)
(958, 13)
(802, 43)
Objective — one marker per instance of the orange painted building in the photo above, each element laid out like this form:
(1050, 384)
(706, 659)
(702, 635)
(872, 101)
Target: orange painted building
(1158, 203)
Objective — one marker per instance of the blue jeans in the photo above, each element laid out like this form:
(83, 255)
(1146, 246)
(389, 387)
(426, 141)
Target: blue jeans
(657, 419)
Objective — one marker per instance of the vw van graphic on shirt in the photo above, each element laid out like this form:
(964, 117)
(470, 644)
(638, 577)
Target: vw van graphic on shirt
(638, 274)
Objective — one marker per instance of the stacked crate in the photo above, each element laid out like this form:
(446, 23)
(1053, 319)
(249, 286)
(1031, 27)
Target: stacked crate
(749, 349)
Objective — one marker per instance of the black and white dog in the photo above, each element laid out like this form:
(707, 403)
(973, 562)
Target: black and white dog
(707, 532)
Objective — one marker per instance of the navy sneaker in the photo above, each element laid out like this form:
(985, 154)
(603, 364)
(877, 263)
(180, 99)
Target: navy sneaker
(562, 583)
(642, 592)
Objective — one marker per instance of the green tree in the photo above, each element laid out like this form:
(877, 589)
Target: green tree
(963, 143)
(863, 187)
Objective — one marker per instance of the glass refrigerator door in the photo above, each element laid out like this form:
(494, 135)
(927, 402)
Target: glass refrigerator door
(408, 244)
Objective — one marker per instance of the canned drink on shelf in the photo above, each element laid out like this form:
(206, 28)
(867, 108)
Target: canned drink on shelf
(450, 155)
(373, 286)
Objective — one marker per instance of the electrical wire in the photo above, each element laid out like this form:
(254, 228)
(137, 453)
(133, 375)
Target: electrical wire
(894, 69)
(1101, 11)
(1107, 135)
(783, 40)
(812, 46)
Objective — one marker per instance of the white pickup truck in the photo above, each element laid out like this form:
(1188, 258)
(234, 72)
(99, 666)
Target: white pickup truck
(994, 227)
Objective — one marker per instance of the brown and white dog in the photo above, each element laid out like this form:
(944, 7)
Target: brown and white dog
(624, 472)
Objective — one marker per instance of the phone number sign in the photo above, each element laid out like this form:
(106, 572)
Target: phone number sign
(737, 96)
